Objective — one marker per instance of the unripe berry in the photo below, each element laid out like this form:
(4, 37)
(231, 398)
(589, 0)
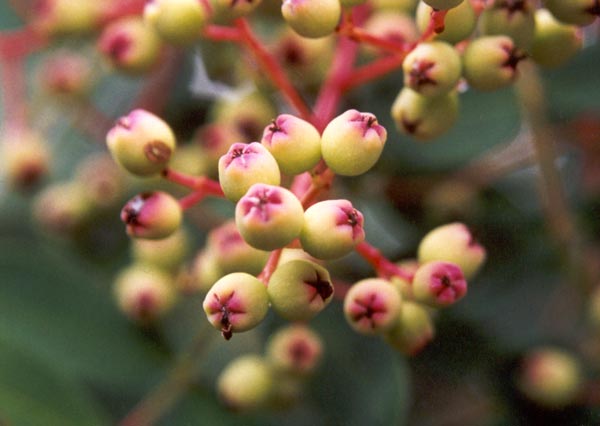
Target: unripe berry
(312, 18)
(25, 159)
(103, 180)
(576, 12)
(152, 215)
(129, 45)
(332, 229)
(62, 208)
(459, 22)
(404, 6)
(295, 349)
(550, 377)
(352, 142)
(227, 10)
(439, 284)
(248, 114)
(246, 383)
(490, 63)
(350, 3)
(454, 243)
(269, 217)
(432, 69)
(166, 254)
(412, 330)
(289, 254)
(243, 166)
(513, 18)
(232, 253)
(443, 4)
(554, 43)
(176, 21)
(391, 25)
(371, 306)
(60, 17)
(423, 117)
(205, 271)
(235, 303)
(141, 142)
(144, 293)
(295, 144)
(299, 290)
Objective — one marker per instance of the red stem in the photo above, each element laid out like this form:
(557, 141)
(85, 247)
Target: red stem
(272, 68)
(269, 268)
(222, 33)
(372, 71)
(380, 263)
(359, 35)
(209, 186)
(192, 199)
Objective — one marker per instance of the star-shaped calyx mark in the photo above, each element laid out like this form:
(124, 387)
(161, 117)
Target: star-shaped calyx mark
(258, 201)
(300, 352)
(514, 6)
(366, 309)
(410, 126)
(420, 74)
(226, 311)
(515, 56)
(322, 287)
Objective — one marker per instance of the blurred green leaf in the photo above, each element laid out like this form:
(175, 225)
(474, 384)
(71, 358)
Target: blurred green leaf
(33, 393)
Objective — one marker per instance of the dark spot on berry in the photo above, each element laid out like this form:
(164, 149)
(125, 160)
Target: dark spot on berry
(274, 127)
(249, 128)
(594, 9)
(514, 57)
(418, 75)
(368, 311)
(352, 217)
(117, 47)
(157, 152)
(513, 6)
(323, 288)
(410, 126)
(300, 352)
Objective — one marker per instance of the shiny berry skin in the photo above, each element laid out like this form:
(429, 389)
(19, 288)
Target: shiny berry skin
(312, 18)
(152, 215)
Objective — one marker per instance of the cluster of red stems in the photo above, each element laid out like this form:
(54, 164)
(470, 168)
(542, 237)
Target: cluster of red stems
(278, 168)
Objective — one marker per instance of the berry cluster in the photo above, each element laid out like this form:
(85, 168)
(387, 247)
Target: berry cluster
(277, 165)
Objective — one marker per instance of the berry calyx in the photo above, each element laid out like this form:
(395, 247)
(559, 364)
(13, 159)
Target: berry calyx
(152, 215)
(236, 303)
(439, 284)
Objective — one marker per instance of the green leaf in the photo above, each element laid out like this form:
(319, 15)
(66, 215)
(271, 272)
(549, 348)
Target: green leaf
(32, 393)
(63, 310)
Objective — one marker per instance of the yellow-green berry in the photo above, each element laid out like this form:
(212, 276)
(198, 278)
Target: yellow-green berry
(152, 215)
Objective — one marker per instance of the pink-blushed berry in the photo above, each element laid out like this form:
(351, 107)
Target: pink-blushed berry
(331, 229)
(177, 21)
(269, 217)
(352, 142)
(152, 215)
(312, 18)
(491, 62)
(129, 45)
(295, 144)
(243, 166)
(551, 377)
(215, 140)
(554, 43)
(141, 142)
(575, 12)
(232, 253)
(424, 118)
(443, 4)
(295, 349)
(412, 330)
(432, 69)
(246, 383)
(144, 293)
(371, 306)
(454, 243)
(237, 302)
(514, 19)
(459, 22)
(299, 290)
(439, 284)
(66, 74)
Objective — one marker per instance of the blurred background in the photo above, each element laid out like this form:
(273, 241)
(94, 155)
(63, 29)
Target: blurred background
(69, 356)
